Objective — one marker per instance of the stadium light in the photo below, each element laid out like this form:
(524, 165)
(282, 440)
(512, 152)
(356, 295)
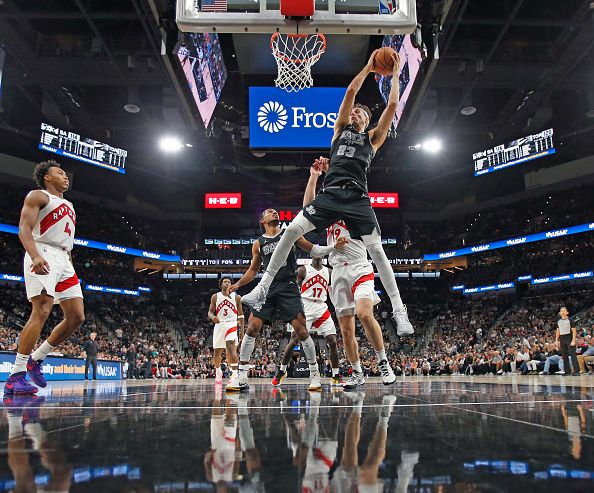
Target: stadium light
(431, 145)
(170, 144)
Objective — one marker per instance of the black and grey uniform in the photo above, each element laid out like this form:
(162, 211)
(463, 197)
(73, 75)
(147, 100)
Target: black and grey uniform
(284, 295)
(344, 191)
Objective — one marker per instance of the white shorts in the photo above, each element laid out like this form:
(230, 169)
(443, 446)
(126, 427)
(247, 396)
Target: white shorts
(223, 332)
(61, 283)
(318, 318)
(350, 283)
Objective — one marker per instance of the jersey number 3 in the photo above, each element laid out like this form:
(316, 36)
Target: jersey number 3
(347, 151)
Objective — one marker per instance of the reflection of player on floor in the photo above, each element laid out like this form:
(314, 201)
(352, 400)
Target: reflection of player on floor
(352, 290)
(344, 194)
(227, 314)
(284, 296)
(46, 230)
(313, 280)
(349, 476)
(24, 427)
(314, 445)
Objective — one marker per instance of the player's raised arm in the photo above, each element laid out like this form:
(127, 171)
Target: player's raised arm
(310, 190)
(252, 271)
(34, 202)
(344, 112)
(377, 136)
(212, 308)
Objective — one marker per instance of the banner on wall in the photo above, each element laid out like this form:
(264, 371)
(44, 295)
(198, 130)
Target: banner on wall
(58, 368)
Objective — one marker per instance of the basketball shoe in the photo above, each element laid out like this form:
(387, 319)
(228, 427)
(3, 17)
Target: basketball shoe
(356, 380)
(337, 380)
(388, 376)
(315, 382)
(35, 373)
(403, 325)
(17, 384)
(238, 383)
(279, 377)
(256, 297)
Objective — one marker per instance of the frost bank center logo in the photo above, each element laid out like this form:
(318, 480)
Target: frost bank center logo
(272, 117)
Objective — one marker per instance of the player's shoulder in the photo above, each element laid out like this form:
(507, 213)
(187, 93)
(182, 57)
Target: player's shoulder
(37, 197)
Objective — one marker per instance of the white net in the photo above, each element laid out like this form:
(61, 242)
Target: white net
(295, 54)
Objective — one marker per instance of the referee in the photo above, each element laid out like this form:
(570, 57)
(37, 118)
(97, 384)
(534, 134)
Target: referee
(90, 348)
(566, 338)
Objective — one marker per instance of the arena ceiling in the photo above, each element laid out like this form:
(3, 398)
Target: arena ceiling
(524, 64)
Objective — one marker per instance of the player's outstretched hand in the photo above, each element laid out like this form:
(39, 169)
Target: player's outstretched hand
(369, 66)
(341, 243)
(40, 266)
(396, 69)
(233, 288)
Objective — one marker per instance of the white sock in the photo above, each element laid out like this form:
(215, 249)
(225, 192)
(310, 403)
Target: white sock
(15, 426)
(357, 367)
(283, 367)
(42, 351)
(243, 369)
(383, 423)
(334, 372)
(381, 355)
(217, 369)
(20, 363)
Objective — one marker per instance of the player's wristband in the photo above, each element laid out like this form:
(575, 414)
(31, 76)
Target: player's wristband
(240, 316)
(321, 251)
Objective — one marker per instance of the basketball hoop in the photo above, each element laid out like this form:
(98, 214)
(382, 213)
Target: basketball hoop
(295, 54)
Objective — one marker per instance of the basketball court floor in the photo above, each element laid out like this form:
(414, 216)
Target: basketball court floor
(420, 434)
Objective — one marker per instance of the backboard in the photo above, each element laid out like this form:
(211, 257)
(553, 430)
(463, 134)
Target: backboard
(330, 17)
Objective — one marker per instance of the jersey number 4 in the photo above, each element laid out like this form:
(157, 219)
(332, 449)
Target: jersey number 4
(347, 151)
(67, 229)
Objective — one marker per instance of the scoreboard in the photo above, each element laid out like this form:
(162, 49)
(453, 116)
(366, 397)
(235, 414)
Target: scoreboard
(70, 144)
(516, 152)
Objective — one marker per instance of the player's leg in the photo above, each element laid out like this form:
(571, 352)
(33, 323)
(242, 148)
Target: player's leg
(364, 308)
(351, 348)
(281, 373)
(309, 349)
(232, 356)
(373, 243)
(248, 343)
(332, 343)
(217, 359)
(41, 308)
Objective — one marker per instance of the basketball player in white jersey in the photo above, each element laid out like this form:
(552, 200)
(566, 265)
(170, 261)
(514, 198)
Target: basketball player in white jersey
(352, 290)
(313, 280)
(227, 314)
(220, 462)
(46, 230)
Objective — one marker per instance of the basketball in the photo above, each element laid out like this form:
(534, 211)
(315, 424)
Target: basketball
(383, 63)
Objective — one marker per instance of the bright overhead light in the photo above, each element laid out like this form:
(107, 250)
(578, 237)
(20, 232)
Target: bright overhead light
(170, 144)
(468, 110)
(432, 145)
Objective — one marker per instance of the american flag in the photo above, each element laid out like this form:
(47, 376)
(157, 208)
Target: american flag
(213, 6)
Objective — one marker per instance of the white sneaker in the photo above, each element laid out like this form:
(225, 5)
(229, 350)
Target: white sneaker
(560, 372)
(315, 382)
(356, 380)
(403, 325)
(388, 376)
(256, 297)
(238, 383)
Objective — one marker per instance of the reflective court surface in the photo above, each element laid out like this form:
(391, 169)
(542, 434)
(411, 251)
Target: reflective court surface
(419, 435)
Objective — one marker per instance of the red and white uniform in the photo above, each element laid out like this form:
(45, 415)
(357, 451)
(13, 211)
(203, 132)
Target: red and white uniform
(314, 293)
(223, 433)
(320, 460)
(226, 330)
(54, 236)
(352, 273)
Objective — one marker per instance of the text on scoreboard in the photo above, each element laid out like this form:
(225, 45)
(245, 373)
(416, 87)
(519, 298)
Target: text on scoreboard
(516, 152)
(69, 144)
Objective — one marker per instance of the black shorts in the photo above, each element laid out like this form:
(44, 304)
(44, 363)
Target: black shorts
(349, 204)
(284, 297)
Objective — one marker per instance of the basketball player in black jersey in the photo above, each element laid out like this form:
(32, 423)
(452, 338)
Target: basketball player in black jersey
(344, 193)
(283, 295)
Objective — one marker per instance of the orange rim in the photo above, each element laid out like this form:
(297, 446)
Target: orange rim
(278, 54)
